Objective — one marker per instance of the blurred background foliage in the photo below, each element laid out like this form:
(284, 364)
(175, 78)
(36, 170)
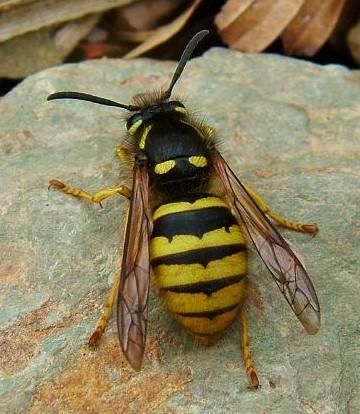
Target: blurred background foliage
(36, 34)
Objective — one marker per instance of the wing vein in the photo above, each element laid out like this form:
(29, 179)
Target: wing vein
(284, 266)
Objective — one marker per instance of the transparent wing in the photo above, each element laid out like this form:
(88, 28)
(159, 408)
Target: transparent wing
(285, 267)
(135, 273)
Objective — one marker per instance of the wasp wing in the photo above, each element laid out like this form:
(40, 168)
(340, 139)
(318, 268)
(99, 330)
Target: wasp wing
(135, 273)
(285, 267)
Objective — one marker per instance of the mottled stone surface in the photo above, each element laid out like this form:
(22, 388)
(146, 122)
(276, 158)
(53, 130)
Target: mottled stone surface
(289, 128)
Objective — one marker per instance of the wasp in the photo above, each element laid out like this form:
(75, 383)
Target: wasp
(189, 222)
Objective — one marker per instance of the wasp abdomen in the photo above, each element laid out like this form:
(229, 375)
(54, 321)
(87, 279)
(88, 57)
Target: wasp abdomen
(199, 259)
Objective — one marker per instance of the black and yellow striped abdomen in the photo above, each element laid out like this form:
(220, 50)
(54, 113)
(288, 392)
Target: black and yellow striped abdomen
(199, 259)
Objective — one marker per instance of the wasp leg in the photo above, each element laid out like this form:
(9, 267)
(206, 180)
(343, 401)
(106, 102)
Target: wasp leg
(106, 312)
(97, 197)
(291, 225)
(244, 339)
(124, 154)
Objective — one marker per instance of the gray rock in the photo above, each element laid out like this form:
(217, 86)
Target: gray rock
(289, 128)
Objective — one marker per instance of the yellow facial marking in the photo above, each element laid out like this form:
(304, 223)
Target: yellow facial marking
(198, 161)
(164, 167)
(144, 136)
(134, 127)
(181, 109)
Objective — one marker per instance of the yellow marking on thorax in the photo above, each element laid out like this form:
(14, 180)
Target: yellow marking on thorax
(181, 109)
(144, 136)
(209, 130)
(164, 167)
(182, 206)
(198, 161)
(135, 127)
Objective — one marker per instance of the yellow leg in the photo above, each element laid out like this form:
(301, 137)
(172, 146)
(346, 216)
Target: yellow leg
(97, 197)
(244, 339)
(291, 225)
(106, 312)
(124, 154)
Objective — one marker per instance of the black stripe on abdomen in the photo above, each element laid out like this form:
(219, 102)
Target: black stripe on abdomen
(193, 222)
(207, 287)
(202, 256)
(208, 314)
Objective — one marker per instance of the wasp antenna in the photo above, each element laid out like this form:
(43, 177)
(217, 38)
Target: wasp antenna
(184, 59)
(90, 98)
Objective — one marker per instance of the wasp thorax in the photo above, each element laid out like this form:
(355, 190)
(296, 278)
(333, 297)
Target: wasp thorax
(175, 147)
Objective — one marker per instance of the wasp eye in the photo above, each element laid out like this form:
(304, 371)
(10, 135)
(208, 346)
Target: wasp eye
(134, 120)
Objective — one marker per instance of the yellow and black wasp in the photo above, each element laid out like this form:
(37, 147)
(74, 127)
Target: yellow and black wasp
(189, 220)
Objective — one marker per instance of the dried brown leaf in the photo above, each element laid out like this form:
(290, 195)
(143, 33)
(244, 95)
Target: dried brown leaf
(27, 54)
(312, 26)
(7, 4)
(69, 35)
(164, 33)
(17, 17)
(134, 37)
(230, 11)
(250, 26)
(146, 15)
